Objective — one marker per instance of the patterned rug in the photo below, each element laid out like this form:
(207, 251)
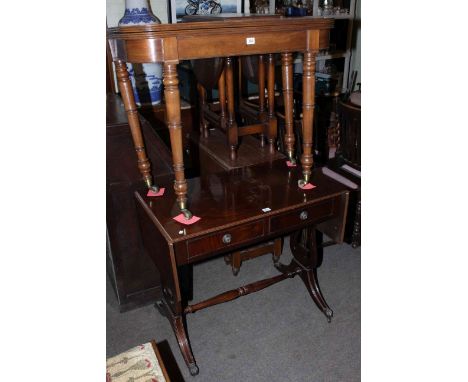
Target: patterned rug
(140, 364)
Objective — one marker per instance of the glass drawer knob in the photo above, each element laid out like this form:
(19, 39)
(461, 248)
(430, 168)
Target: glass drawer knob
(227, 238)
(303, 215)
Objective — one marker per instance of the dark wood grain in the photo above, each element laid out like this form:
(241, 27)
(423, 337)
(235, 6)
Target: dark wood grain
(135, 277)
(287, 70)
(349, 153)
(229, 199)
(272, 124)
(230, 205)
(241, 291)
(349, 132)
(236, 258)
(214, 156)
(160, 360)
(142, 44)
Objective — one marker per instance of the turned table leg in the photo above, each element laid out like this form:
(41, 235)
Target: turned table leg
(203, 123)
(261, 94)
(132, 114)
(171, 93)
(232, 126)
(272, 125)
(287, 74)
(222, 99)
(308, 101)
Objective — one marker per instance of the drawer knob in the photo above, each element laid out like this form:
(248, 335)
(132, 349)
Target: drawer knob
(303, 215)
(227, 238)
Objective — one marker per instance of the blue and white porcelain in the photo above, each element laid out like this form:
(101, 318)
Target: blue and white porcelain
(131, 74)
(146, 79)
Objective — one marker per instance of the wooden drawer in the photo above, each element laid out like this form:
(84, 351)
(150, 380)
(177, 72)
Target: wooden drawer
(303, 216)
(225, 239)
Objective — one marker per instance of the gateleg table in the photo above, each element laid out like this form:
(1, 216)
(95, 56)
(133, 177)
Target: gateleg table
(170, 43)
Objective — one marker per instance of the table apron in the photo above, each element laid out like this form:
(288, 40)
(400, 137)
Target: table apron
(242, 44)
(235, 44)
(203, 247)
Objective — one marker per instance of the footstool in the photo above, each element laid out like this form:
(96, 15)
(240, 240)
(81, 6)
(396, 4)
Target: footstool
(142, 363)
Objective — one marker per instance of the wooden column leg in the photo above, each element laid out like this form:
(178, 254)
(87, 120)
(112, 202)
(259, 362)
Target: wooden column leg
(305, 256)
(272, 126)
(222, 99)
(203, 123)
(180, 330)
(232, 126)
(308, 101)
(287, 72)
(132, 114)
(171, 93)
(261, 95)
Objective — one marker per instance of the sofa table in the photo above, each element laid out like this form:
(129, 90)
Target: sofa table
(239, 36)
(239, 208)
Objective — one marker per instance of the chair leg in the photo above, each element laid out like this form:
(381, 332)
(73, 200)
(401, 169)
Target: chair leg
(232, 126)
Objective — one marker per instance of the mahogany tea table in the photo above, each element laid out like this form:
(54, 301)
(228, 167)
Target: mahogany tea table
(239, 36)
(239, 208)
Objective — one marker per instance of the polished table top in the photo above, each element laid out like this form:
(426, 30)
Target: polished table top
(225, 199)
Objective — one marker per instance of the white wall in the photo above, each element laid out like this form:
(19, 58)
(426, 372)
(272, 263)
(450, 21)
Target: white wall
(115, 10)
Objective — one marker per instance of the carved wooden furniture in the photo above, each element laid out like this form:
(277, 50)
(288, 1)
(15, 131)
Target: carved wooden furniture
(134, 276)
(269, 206)
(349, 133)
(347, 164)
(172, 43)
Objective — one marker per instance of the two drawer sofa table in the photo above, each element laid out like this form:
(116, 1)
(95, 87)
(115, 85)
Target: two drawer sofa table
(240, 208)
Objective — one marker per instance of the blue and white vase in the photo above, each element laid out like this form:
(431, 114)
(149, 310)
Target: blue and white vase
(146, 79)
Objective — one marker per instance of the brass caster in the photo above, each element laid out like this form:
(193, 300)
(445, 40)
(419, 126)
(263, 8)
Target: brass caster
(187, 214)
(154, 188)
(193, 368)
(235, 271)
(329, 314)
(301, 182)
